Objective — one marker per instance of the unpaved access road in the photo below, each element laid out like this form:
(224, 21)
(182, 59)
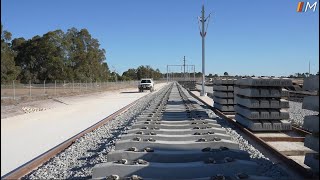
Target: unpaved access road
(26, 136)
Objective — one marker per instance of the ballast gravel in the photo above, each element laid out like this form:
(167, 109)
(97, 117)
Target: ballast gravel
(297, 114)
(77, 161)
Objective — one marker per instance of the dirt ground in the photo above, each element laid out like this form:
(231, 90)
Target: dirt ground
(57, 120)
(10, 107)
(23, 92)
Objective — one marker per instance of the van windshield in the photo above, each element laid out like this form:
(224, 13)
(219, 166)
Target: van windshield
(145, 81)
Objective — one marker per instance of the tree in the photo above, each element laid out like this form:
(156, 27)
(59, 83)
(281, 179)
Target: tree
(9, 70)
(198, 74)
(56, 55)
(53, 50)
(142, 72)
(105, 71)
(115, 77)
(226, 74)
(85, 56)
(41, 58)
(130, 74)
(157, 74)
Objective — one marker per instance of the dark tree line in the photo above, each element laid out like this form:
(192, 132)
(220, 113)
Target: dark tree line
(302, 75)
(57, 55)
(73, 56)
(142, 72)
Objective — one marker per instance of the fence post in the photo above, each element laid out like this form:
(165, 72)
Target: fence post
(86, 85)
(30, 88)
(44, 87)
(14, 90)
(55, 87)
(72, 85)
(80, 86)
(64, 84)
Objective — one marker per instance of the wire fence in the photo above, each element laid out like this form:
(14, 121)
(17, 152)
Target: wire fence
(16, 91)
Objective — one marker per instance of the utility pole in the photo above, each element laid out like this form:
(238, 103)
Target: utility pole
(184, 67)
(203, 34)
(194, 73)
(167, 74)
(309, 68)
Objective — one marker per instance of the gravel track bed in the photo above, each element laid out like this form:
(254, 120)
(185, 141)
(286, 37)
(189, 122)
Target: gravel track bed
(77, 161)
(297, 114)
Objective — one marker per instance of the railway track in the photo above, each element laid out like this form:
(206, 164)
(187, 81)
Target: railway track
(176, 139)
(167, 135)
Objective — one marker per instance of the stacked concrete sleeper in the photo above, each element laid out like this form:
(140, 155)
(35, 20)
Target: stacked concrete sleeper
(260, 105)
(191, 85)
(311, 123)
(174, 138)
(223, 95)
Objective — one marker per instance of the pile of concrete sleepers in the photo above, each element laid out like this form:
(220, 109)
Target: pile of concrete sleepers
(312, 123)
(260, 105)
(223, 95)
(175, 139)
(191, 85)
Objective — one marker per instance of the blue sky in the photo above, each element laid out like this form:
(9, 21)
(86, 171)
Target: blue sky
(247, 37)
